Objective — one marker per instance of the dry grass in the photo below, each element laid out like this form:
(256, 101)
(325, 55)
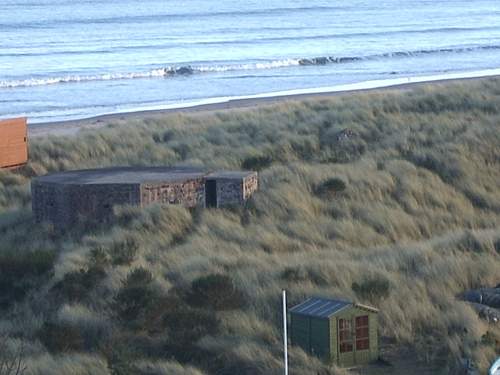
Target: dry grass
(417, 223)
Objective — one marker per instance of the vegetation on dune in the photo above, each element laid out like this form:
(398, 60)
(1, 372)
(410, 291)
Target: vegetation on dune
(390, 199)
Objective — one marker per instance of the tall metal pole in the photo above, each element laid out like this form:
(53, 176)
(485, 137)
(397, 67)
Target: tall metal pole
(285, 339)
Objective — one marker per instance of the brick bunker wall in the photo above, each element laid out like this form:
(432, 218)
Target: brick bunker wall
(189, 193)
(65, 205)
(250, 185)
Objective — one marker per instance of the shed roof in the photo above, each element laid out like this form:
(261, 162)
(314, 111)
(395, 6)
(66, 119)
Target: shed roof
(320, 307)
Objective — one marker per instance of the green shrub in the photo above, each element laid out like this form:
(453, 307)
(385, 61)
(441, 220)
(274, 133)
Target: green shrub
(497, 245)
(124, 252)
(186, 325)
(120, 356)
(60, 338)
(76, 285)
(20, 272)
(135, 297)
(217, 292)
(373, 289)
(470, 242)
(442, 165)
(294, 274)
(257, 163)
(99, 258)
(491, 339)
(139, 277)
(330, 187)
(301, 274)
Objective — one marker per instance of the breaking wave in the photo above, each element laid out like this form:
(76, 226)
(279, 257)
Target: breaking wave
(186, 70)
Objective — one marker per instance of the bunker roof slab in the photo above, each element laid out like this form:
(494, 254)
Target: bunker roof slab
(229, 175)
(123, 175)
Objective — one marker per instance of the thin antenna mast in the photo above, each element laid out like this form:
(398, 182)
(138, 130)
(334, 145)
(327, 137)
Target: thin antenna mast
(285, 339)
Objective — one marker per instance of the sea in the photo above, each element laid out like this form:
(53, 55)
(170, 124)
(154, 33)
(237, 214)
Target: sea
(72, 59)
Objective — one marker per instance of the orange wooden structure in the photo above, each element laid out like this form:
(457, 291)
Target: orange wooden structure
(13, 143)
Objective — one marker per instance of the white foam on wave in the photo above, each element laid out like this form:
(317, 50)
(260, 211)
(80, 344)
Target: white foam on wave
(77, 78)
(263, 65)
(160, 72)
(366, 85)
(251, 66)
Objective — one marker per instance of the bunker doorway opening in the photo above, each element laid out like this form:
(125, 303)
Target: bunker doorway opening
(211, 193)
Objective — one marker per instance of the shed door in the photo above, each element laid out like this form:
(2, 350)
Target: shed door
(211, 193)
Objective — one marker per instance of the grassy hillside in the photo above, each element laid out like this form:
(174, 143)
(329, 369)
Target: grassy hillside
(401, 211)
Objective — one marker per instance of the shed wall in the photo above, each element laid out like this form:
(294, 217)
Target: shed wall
(356, 357)
(13, 142)
(320, 338)
(300, 331)
(311, 334)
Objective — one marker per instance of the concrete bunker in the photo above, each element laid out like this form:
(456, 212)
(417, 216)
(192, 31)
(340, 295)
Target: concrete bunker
(65, 198)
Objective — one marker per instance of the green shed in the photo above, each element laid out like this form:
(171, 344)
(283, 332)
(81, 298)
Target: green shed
(340, 332)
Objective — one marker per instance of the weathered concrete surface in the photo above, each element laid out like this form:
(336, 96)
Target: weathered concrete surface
(66, 198)
(123, 175)
(234, 188)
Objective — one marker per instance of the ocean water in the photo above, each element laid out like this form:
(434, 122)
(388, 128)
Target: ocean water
(66, 59)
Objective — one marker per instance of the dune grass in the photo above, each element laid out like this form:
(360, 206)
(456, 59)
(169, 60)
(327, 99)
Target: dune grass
(401, 211)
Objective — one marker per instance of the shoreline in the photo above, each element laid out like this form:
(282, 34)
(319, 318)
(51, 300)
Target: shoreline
(72, 127)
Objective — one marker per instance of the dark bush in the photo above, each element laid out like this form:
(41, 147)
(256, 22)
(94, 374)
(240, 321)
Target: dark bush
(330, 187)
(469, 242)
(60, 338)
(20, 272)
(347, 153)
(447, 169)
(300, 274)
(135, 297)
(124, 252)
(139, 277)
(186, 325)
(294, 274)
(182, 149)
(497, 246)
(373, 289)
(215, 291)
(169, 135)
(76, 285)
(305, 148)
(99, 258)
(257, 163)
(120, 356)
(492, 339)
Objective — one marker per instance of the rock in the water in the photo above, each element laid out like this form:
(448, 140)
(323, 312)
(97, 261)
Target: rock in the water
(306, 62)
(182, 70)
(315, 61)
